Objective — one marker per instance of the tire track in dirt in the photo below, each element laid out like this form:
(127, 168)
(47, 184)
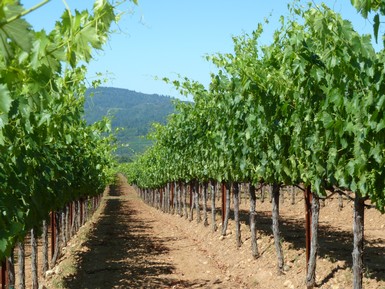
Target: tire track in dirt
(135, 246)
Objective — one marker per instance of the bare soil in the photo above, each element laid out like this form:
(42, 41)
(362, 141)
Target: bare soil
(129, 244)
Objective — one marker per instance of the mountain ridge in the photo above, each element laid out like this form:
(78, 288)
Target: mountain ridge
(133, 111)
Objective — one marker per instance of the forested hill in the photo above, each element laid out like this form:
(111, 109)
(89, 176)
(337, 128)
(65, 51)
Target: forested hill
(133, 111)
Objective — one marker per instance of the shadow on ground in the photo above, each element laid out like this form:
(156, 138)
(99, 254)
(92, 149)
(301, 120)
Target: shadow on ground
(336, 245)
(123, 253)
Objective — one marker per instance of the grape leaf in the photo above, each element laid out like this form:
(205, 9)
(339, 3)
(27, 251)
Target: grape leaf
(17, 30)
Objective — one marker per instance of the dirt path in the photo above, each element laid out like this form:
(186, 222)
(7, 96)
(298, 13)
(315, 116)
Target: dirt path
(129, 244)
(135, 246)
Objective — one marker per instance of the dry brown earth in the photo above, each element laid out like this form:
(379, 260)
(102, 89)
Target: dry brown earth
(131, 245)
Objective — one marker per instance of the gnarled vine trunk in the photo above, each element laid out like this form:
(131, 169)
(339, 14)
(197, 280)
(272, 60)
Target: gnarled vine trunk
(45, 246)
(204, 199)
(213, 211)
(21, 265)
(66, 225)
(177, 199)
(86, 216)
(34, 270)
(56, 227)
(253, 230)
(196, 198)
(227, 209)
(358, 241)
(311, 265)
(236, 214)
(263, 193)
(192, 195)
(62, 221)
(275, 227)
(11, 270)
(184, 201)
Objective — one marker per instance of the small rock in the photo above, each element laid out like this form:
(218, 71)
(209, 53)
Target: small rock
(57, 270)
(49, 273)
(221, 238)
(288, 284)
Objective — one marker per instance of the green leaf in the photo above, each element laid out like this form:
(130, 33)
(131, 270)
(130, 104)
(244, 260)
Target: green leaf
(44, 117)
(5, 47)
(327, 120)
(17, 31)
(247, 134)
(376, 25)
(380, 125)
(3, 245)
(68, 139)
(5, 99)
(99, 4)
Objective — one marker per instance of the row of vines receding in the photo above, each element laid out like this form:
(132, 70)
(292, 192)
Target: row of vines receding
(49, 156)
(306, 110)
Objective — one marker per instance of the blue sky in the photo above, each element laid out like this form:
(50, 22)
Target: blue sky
(165, 38)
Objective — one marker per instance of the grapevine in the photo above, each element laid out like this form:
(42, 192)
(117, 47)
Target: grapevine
(306, 110)
(49, 156)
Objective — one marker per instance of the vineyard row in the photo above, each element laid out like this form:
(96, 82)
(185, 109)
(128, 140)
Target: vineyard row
(191, 199)
(56, 233)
